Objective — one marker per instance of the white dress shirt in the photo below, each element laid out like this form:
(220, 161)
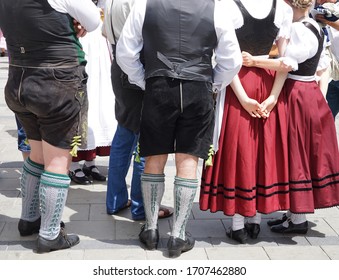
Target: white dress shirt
(84, 11)
(228, 58)
(116, 13)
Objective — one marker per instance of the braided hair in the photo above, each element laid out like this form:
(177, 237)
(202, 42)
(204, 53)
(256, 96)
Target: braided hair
(301, 4)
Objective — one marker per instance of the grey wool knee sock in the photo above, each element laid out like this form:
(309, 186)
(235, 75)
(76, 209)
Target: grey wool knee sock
(53, 195)
(30, 182)
(152, 187)
(184, 193)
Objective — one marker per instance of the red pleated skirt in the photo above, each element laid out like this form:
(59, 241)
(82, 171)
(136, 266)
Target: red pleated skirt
(250, 169)
(313, 148)
(90, 155)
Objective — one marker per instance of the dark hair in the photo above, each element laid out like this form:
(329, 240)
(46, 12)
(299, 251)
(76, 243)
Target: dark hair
(95, 2)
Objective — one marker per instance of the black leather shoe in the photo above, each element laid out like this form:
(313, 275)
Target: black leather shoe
(84, 180)
(277, 221)
(95, 175)
(252, 230)
(239, 235)
(27, 228)
(176, 245)
(150, 238)
(63, 241)
(292, 228)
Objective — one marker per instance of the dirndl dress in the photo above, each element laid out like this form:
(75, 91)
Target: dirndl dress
(101, 111)
(249, 172)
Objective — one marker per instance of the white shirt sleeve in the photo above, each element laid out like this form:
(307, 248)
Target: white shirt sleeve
(284, 19)
(84, 11)
(131, 43)
(228, 57)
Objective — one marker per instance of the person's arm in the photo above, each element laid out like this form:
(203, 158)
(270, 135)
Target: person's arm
(263, 62)
(327, 14)
(281, 74)
(228, 62)
(325, 21)
(251, 106)
(301, 46)
(268, 104)
(85, 12)
(130, 45)
(227, 53)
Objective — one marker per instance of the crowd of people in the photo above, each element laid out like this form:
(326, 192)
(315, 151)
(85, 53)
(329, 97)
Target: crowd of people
(137, 81)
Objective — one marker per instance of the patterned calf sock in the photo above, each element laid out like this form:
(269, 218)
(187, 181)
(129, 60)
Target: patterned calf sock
(184, 194)
(30, 181)
(53, 195)
(152, 187)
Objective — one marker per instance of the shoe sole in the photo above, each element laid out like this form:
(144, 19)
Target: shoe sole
(254, 236)
(241, 241)
(177, 253)
(150, 246)
(47, 250)
(174, 253)
(26, 233)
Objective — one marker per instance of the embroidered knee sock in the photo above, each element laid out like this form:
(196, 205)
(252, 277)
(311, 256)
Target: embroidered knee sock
(238, 222)
(255, 219)
(53, 195)
(30, 181)
(152, 188)
(184, 193)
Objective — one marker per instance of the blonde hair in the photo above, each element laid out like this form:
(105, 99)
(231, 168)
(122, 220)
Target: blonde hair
(301, 4)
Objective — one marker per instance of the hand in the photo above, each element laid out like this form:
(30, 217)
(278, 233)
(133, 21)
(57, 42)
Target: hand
(321, 18)
(79, 29)
(267, 106)
(247, 59)
(253, 107)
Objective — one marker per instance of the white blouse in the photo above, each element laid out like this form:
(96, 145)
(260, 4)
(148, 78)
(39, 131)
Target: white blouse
(303, 45)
